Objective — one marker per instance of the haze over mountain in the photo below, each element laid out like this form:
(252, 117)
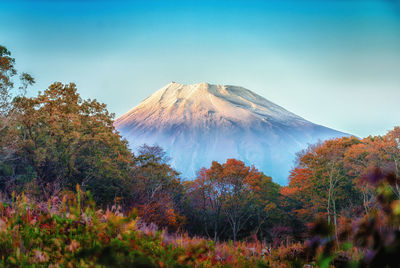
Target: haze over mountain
(199, 123)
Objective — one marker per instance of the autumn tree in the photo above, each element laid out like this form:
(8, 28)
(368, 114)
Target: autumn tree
(391, 154)
(236, 180)
(301, 194)
(381, 152)
(360, 159)
(321, 182)
(232, 198)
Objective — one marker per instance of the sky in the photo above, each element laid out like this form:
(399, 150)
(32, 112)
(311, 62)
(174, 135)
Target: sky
(335, 63)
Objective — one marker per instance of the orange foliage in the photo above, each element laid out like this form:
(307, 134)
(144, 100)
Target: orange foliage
(161, 213)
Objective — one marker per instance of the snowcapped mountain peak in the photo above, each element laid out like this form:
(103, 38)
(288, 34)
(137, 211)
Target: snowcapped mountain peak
(179, 101)
(202, 122)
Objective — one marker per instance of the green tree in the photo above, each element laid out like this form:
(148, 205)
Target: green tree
(67, 141)
(8, 139)
(267, 207)
(156, 188)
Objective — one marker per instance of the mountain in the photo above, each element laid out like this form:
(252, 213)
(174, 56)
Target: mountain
(199, 123)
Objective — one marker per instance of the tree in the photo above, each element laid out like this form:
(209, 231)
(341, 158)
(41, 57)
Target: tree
(7, 72)
(67, 141)
(156, 188)
(360, 159)
(301, 190)
(371, 153)
(206, 202)
(322, 180)
(232, 195)
(267, 210)
(391, 154)
(8, 139)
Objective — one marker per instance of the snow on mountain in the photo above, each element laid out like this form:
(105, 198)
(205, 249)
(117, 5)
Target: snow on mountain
(199, 123)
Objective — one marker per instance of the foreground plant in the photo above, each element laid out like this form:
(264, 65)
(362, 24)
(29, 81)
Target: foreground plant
(71, 232)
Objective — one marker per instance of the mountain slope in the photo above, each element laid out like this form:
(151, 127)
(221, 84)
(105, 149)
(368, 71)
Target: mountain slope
(199, 123)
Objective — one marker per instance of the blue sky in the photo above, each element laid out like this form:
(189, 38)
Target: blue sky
(336, 63)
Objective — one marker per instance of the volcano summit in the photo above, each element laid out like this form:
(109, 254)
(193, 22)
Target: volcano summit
(199, 123)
